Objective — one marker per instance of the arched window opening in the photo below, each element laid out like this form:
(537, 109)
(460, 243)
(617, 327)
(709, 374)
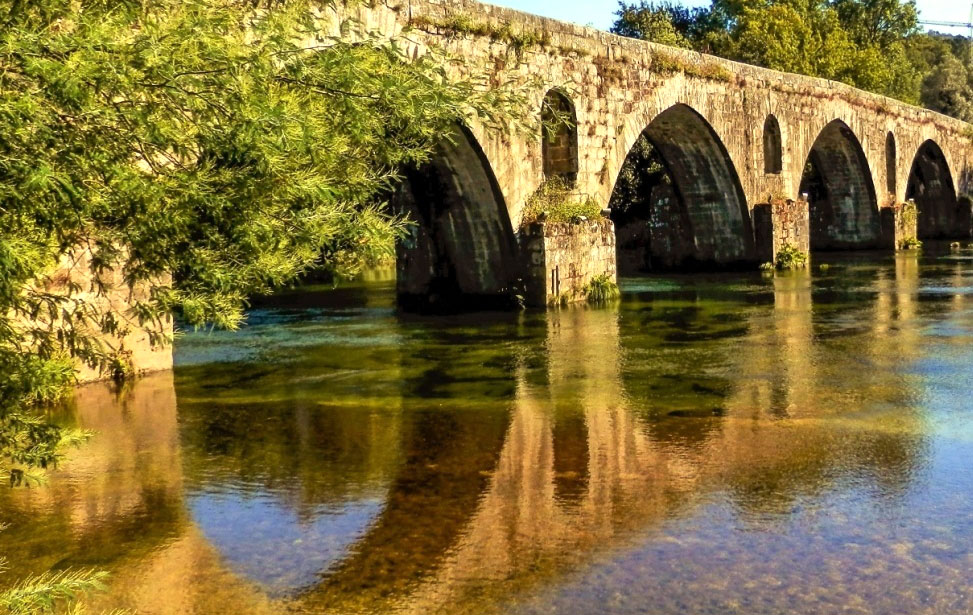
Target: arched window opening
(773, 153)
(890, 165)
(560, 138)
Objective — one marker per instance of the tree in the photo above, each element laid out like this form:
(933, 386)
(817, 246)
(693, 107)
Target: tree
(208, 150)
(667, 24)
(859, 42)
(947, 84)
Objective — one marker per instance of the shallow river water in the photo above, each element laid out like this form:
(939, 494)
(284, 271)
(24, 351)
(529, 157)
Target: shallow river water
(715, 444)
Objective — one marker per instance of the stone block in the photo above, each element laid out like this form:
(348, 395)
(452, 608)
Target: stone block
(899, 225)
(565, 257)
(779, 223)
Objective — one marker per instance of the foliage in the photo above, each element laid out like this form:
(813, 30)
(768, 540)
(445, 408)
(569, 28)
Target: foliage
(640, 173)
(909, 214)
(602, 289)
(50, 593)
(910, 243)
(554, 202)
(790, 257)
(464, 25)
(947, 82)
(656, 23)
(860, 43)
(208, 151)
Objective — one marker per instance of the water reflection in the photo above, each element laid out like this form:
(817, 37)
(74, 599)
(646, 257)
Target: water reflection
(716, 444)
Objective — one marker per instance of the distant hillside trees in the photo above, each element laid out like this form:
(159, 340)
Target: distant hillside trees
(875, 45)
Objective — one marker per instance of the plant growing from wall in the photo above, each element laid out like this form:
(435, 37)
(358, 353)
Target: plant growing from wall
(909, 215)
(602, 289)
(908, 218)
(790, 257)
(464, 25)
(553, 201)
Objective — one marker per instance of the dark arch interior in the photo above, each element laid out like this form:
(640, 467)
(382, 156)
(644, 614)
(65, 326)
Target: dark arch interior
(931, 187)
(773, 153)
(837, 182)
(461, 251)
(560, 138)
(677, 202)
(890, 164)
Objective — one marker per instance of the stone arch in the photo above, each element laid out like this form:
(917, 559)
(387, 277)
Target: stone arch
(890, 164)
(931, 186)
(560, 137)
(838, 185)
(773, 150)
(695, 215)
(461, 250)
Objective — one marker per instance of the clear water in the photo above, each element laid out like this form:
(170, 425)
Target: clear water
(715, 444)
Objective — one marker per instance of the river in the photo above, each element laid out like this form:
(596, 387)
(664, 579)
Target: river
(731, 443)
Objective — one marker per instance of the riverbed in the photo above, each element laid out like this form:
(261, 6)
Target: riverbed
(723, 443)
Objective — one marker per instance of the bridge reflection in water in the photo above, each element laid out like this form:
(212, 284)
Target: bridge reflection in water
(716, 444)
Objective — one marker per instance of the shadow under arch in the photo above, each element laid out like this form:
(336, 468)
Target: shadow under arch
(461, 251)
(773, 150)
(838, 184)
(890, 164)
(931, 187)
(678, 187)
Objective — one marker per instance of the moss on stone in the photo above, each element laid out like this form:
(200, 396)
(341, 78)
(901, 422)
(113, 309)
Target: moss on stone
(464, 25)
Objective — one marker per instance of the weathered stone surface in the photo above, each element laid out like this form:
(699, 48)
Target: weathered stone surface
(899, 225)
(708, 116)
(565, 257)
(780, 223)
(134, 344)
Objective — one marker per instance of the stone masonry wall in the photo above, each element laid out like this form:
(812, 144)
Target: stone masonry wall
(564, 257)
(134, 344)
(779, 223)
(899, 224)
(618, 86)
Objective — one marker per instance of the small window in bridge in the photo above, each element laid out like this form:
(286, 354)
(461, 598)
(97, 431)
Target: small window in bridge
(772, 146)
(560, 137)
(890, 163)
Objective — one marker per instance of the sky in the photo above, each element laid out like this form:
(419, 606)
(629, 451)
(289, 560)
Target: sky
(600, 13)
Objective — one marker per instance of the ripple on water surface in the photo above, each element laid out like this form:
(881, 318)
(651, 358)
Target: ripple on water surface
(728, 443)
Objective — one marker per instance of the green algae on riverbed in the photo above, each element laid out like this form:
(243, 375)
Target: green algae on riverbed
(713, 444)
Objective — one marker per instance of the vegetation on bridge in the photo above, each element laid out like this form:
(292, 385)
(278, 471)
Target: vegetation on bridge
(553, 201)
(874, 45)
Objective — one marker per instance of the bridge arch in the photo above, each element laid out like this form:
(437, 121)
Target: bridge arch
(931, 186)
(691, 210)
(560, 137)
(461, 250)
(773, 150)
(838, 185)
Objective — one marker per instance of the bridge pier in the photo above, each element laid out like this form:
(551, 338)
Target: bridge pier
(899, 225)
(781, 223)
(563, 259)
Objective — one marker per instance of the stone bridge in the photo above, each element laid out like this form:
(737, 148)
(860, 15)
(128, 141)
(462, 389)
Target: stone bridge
(757, 158)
